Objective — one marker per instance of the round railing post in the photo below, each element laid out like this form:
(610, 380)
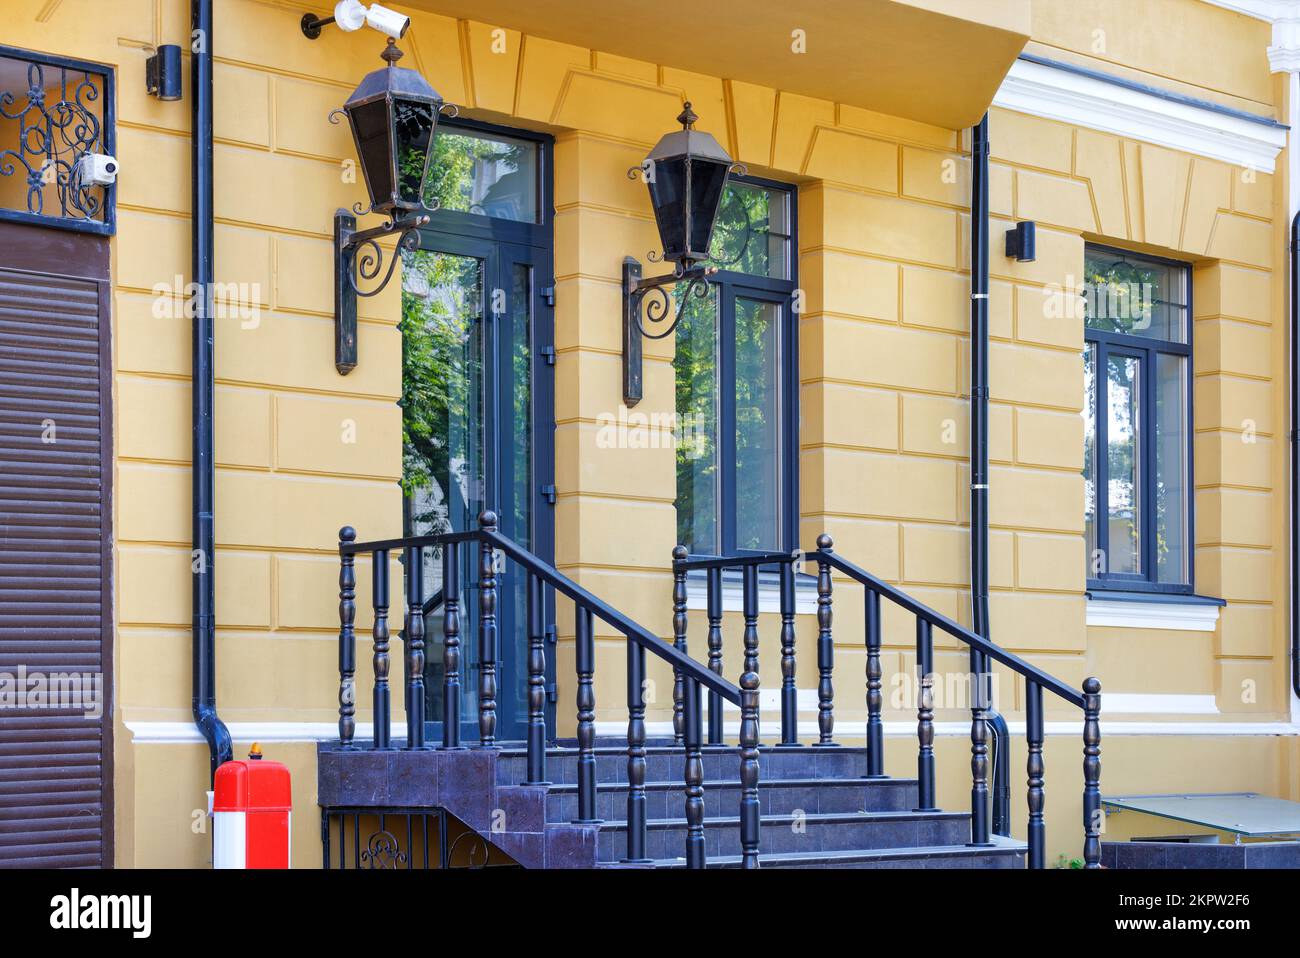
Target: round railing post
(347, 638)
(1034, 771)
(875, 695)
(451, 645)
(636, 753)
(413, 636)
(789, 692)
(536, 682)
(382, 702)
(584, 654)
(1092, 813)
(694, 773)
(487, 635)
(749, 806)
(714, 579)
(679, 640)
(925, 716)
(825, 645)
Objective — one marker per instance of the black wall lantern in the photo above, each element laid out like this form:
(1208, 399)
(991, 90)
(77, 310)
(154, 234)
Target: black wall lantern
(686, 173)
(393, 114)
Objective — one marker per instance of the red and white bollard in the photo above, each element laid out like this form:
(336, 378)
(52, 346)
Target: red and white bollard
(251, 807)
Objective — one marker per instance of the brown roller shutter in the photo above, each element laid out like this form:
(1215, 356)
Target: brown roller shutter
(55, 546)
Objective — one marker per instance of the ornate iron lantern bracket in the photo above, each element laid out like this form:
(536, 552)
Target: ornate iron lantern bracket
(635, 290)
(359, 259)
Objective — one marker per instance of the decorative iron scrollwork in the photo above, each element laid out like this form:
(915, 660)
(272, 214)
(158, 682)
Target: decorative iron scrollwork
(660, 303)
(382, 851)
(63, 115)
(362, 259)
(478, 848)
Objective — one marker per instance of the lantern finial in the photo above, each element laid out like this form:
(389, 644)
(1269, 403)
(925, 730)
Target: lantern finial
(392, 53)
(687, 117)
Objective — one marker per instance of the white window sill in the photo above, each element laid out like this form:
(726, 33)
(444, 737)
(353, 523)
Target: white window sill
(1173, 615)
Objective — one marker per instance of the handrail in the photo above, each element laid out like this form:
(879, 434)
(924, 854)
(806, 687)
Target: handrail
(563, 584)
(493, 549)
(941, 621)
(612, 617)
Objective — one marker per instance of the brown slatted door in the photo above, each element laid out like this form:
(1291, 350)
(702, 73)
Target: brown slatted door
(55, 545)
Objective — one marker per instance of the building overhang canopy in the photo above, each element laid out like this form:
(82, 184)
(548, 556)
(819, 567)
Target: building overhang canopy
(936, 61)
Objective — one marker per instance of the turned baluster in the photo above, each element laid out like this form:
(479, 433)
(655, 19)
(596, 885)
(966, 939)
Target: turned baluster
(925, 716)
(1034, 769)
(979, 749)
(636, 799)
(715, 652)
(487, 635)
(692, 729)
(382, 704)
(414, 638)
(585, 662)
(875, 697)
(679, 638)
(825, 646)
(536, 682)
(347, 638)
(451, 645)
(789, 693)
(749, 808)
(1092, 813)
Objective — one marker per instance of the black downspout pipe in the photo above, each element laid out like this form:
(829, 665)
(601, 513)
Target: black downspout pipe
(979, 468)
(213, 729)
(1295, 455)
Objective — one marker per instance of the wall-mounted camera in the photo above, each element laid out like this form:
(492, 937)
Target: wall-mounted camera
(97, 169)
(353, 15)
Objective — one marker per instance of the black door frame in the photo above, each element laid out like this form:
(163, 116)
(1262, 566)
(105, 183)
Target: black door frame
(501, 243)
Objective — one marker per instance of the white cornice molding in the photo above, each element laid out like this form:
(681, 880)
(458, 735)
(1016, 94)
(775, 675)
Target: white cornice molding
(1068, 95)
(1267, 10)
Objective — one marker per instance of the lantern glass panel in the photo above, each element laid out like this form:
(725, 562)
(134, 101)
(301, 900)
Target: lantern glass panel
(668, 196)
(707, 180)
(413, 126)
(374, 149)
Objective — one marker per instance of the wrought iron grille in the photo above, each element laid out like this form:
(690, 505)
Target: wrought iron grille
(401, 838)
(54, 111)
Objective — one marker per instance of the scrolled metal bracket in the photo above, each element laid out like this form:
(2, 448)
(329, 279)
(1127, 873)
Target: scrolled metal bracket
(359, 260)
(657, 310)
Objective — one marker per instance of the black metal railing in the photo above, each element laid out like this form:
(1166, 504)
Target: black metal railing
(495, 550)
(982, 650)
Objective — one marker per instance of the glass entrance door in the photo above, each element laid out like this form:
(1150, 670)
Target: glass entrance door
(477, 393)
(471, 419)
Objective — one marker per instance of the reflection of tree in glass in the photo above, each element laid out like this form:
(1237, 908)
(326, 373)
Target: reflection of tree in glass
(1116, 300)
(740, 244)
(440, 301)
(473, 174)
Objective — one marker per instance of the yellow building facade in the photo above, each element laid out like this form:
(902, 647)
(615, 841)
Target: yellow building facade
(1197, 698)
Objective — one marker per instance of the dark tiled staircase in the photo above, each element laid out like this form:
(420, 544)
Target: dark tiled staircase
(746, 804)
(818, 809)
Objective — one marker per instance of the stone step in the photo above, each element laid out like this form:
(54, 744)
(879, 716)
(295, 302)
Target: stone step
(778, 796)
(806, 834)
(667, 763)
(1005, 853)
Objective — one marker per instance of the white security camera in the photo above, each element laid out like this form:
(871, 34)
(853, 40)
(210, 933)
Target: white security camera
(353, 15)
(97, 169)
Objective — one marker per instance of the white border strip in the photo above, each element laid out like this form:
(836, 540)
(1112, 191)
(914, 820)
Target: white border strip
(1041, 90)
(769, 596)
(1178, 616)
(184, 733)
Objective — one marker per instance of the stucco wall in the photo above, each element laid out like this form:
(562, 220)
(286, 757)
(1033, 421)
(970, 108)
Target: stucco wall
(883, 238)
